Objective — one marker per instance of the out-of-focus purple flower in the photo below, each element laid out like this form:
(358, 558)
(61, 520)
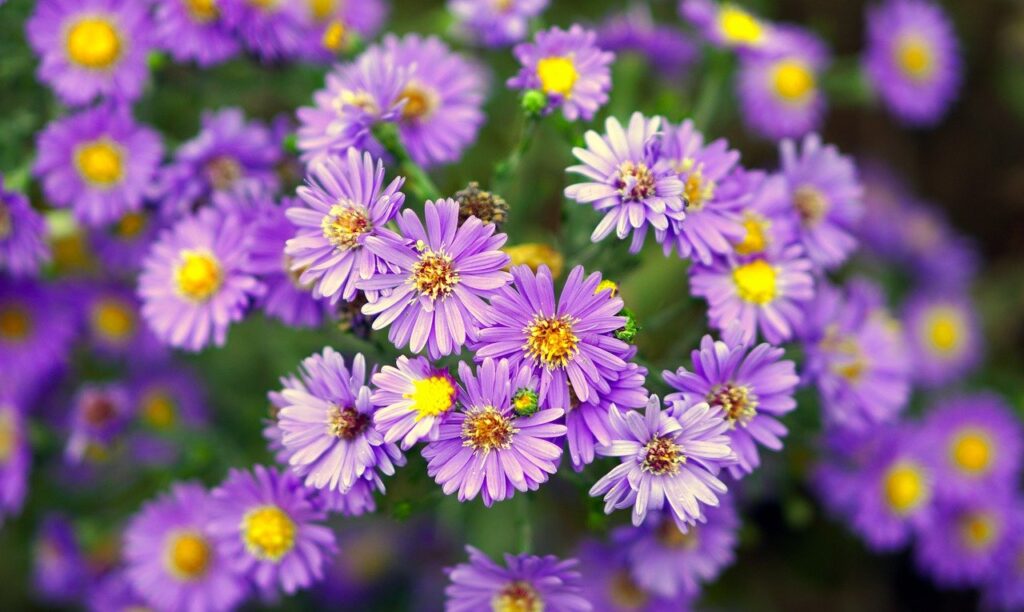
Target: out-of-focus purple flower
(98, 162)
(913, 59)
(192, 30)
(527, 582)
(267, 28)
(625, 180)
(729, 25)
(670, 461)
(769, 221)
(443, 272)
(171, 556)
(99, 415)
(122, 247)
(569, 68)
(495, 23)
(937, 256)
(113, 325)
(667, 48)
(964, 543)
(91, 48)
(752, 385)
(113, 592)
(23, 246)
(943, 336)
(15, 456)
(36, 329)
(167, 398)
(59, 571)
(414, 399)
(609, 585)
(332, 23)
(1004, 589)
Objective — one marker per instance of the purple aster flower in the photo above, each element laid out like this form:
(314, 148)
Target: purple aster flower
(414, 399)
(671, 563)
(913, 59)
(333, 26)
(23, 246)
(566, 343)
(569, 68)
(36, 329)
(1005, 587)
(856, 355)
(268, 28)
(715, 189)
(122, 246)
(327, 424)
(670, 460)
(113, 326)
(762, 292)
(442, 274)
(729, 25)
(91, 48)
(943, 336)
(99, 163)
(15, 457)
(827, 197)
(527, 582)
(665, 47)
(356, 501)
(344, 203)
(976, 446)
(964, 543)
(99, 415)
(269, 529)
(780, 92)
(168, 398)
(769, 221)
(752, 385)
(192, 30)
(488, 448)
(937, 256)
(626, 182)
(171, 558)
(227, 154)
(59, 571)
(609, 585)
(113, 593)
(495, 23)
(195, 280)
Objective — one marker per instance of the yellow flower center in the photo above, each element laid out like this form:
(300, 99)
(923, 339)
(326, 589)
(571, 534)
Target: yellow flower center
(914, 56)
(551, 341)
(810, 204)
(662, 456)
(8, 434)
(942, 326)
(198, 275)
(607, 285)
(739, 27)
(671, 536)
(346, 423)
(223, 172)
(431, 396)
(94, 42)
(420, 101)
(755, 240)
(904, 487)
(334, 35)
(793, 80)
(100, 163)
(268, 532)
(322, 9)
(130, 225)
(15, 323)
(264, 5)
(434, 275)
(358, 99)
(535, 254)
(6, 224)
(624, 592)
(698, 191)
(849, 361)
(487, 429)
(755, 281)
(635, 181)
(113, 319)
(738, 403)
(972, 451)
(188, 556)
(557, 75)
(978, 530)
(159, 410)
(203, 11)
(344, 224)
(518, 596)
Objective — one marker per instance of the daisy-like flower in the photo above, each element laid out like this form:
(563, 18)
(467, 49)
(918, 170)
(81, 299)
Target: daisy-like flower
(856, 355)
(768, 219)
(587, 423)
(1004, 590)
(344, 203)
(827, 197)
(226, 154)
(729, 25)
(527, 582)
(495, 23)
(763, 292)
(975, 443)
(165, 399)
(99, 163)
(99, 415)
(715, 189)
(671, 563)
(626, 182)
(570, 340)
(122, 246)
(192, 30)
(780, 92)
(267, 28)
(326, 423)
(36, 330)
(608, 583)
(23, 246)
(964, 543)
(665, 47)
(91, 48)
(442, 274)
(414, 399)
(943, 336)
(913, 59)
(171, 558)
(195, 281)
(332, 23)
(113, 327)
(15, 456)
(487, 448)
(268, 528)
(752, 385)
(59, 571)
(569, 68)
(670, 461)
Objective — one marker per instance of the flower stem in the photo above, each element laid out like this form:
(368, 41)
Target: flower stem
(509, 166)
(417, 181)
(719, 67)
(524, 526)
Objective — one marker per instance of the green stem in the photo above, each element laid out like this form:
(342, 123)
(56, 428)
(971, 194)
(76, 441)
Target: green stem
(509, 166)
(719, 69)
(417, 181)
(524, 526)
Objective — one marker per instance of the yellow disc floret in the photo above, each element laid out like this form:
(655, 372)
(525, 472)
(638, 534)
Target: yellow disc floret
(100, 162)
(198, 275)
(914, 56)
(971, 451)
(202, 11)
(793, 80)
(434, 275)
(431, 396)
(738, 27)
(420, 101)
(536, 254)
(978, 530)
(518, 596)
(268, 532)
(94, 43)
(15, 323)
(904, 488)
(755, 281)
(188, 555)
(551, 341)
(755, 240)
(942, 329)
(113, 319)
(158, 409)
(557, 75)
(485, 429)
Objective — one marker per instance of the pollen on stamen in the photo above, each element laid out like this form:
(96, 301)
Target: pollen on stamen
(737, 402)
(551, 341)
(346, 423)
(434, 275)
(344, 223)
(662, 456)
(635, 181)
(486, 429)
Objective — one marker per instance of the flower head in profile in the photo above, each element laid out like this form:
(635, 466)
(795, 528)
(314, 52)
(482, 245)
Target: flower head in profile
(669, 461)
(414, 399)
(625, 180)
(526, 582)
(23, 246)
(495, 24)
(15, 456)
(963, 545)
(569, 68)
(943, 336)
(193, 30)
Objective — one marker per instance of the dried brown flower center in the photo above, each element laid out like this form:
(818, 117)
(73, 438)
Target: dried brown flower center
(346, 423)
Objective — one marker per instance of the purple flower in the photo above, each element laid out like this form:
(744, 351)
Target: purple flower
(943, 336)
(668, 459)
(665, 47)
(1005, 587)
(122, 246)
(752, 385)
(495, 24)
(171, 558)
(113, 325)
(195, 282)
(23, 246)
(526, 582)
(609, 585)
(267, 28)
(587, 423)
(344, 203)
(331, 22)
(779, 92)
(937, 255)
(964, 543)
(569, 68)
(91, 48)
(442, 274)
(168, 398)
(192, 30)
(36, 329)
(113, 592)
(414, 399)
(268, 528)
(913, 59)
(15, 457)
(976, 446)
(487, 448)
(326, 422)
(626, 182)
(769, 222)
(99, 415)
(827, 197)
(566, 343)
(729, 25)
(59, 572)
(99, 163)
